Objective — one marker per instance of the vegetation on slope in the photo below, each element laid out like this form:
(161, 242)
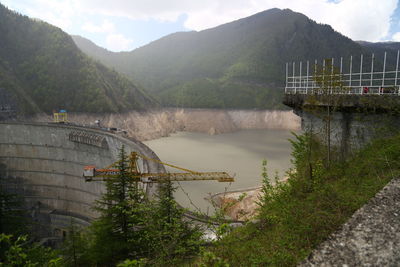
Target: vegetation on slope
(44, 70)
(236, 65)
(15, 248)
(132, 230)
(379, 46)
(295, 217)
(298, 215)
(131, 226)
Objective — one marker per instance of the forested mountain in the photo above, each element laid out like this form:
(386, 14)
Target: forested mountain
(236, 65)
(381, 45)
(380, 48)
(41, 67)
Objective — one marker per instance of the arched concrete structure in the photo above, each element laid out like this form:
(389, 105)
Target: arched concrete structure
(44, 163)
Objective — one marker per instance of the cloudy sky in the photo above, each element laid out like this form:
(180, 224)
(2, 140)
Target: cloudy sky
(122, 25)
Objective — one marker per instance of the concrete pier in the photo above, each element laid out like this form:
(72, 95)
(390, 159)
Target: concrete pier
(354, 119)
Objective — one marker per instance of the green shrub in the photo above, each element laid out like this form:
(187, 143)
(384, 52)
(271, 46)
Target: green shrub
(299, 214)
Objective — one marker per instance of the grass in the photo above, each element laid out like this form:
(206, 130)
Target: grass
(302, 213)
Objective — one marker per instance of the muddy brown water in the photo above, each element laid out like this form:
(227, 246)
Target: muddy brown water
(240, 154)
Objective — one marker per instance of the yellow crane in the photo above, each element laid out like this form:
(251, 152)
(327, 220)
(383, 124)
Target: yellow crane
(91, 173)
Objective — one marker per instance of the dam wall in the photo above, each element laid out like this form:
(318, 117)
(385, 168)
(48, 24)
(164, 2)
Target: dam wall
(44, 163)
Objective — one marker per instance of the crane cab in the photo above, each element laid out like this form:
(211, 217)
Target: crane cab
(61, 116)
(88, 172)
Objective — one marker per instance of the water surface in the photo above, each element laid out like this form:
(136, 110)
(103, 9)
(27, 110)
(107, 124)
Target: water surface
(239, 153)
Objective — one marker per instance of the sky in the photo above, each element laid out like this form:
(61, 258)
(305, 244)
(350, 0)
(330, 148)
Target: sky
(123, 25)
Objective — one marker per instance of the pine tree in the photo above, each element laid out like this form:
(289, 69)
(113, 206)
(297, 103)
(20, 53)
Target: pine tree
(12, 216)
(174, 236)
(132, 226)
(74, 249)
(122, 208)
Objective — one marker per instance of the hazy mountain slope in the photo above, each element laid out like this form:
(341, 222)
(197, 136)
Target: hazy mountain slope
(379, 49)
(236, 65)
(381, 45)
(44, 70)
(101, 54)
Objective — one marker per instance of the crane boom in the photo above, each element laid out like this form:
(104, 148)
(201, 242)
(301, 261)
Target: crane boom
(91, 173)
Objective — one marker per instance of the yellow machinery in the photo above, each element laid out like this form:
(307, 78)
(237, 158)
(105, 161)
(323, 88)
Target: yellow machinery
(61, 116)
(91, 173)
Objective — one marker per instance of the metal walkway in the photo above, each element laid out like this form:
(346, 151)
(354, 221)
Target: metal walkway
(331, 77)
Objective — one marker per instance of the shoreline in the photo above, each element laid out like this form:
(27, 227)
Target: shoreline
(157, 123)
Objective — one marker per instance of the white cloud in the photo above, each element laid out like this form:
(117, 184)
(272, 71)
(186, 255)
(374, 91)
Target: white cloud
(58, 13)
(357, 19)
(396, 37)
(114, 41)
(150, 9)
(118, 42)
(105, 27)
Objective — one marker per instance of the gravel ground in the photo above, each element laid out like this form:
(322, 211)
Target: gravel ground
(370, 238)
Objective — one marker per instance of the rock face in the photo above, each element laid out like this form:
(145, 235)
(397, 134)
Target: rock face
(158, 123)
(370, 238)
(239, 205)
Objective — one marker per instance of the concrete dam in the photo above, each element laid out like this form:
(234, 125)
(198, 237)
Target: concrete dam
(44, 163)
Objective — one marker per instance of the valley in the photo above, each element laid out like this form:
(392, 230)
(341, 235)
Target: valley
(248, 98)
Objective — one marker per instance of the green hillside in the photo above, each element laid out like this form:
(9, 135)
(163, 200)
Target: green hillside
(43, 70)
(236, 65)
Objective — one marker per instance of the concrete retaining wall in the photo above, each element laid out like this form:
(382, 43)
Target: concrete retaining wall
(356, 120)
(350, 130)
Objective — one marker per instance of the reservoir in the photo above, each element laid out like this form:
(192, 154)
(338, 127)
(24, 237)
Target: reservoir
(239, 153)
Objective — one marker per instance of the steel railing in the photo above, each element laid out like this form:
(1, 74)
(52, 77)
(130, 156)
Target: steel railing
(330, 79)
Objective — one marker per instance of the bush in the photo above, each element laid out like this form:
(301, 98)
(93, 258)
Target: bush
(298, 215)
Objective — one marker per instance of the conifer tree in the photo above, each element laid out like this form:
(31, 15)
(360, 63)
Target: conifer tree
(12, 216)
(74, 249)
(133, 227)
(121, 208)
(175, 237)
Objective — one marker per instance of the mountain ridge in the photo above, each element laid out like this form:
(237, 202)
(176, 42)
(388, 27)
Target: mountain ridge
(239, 64)
(43, 69)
